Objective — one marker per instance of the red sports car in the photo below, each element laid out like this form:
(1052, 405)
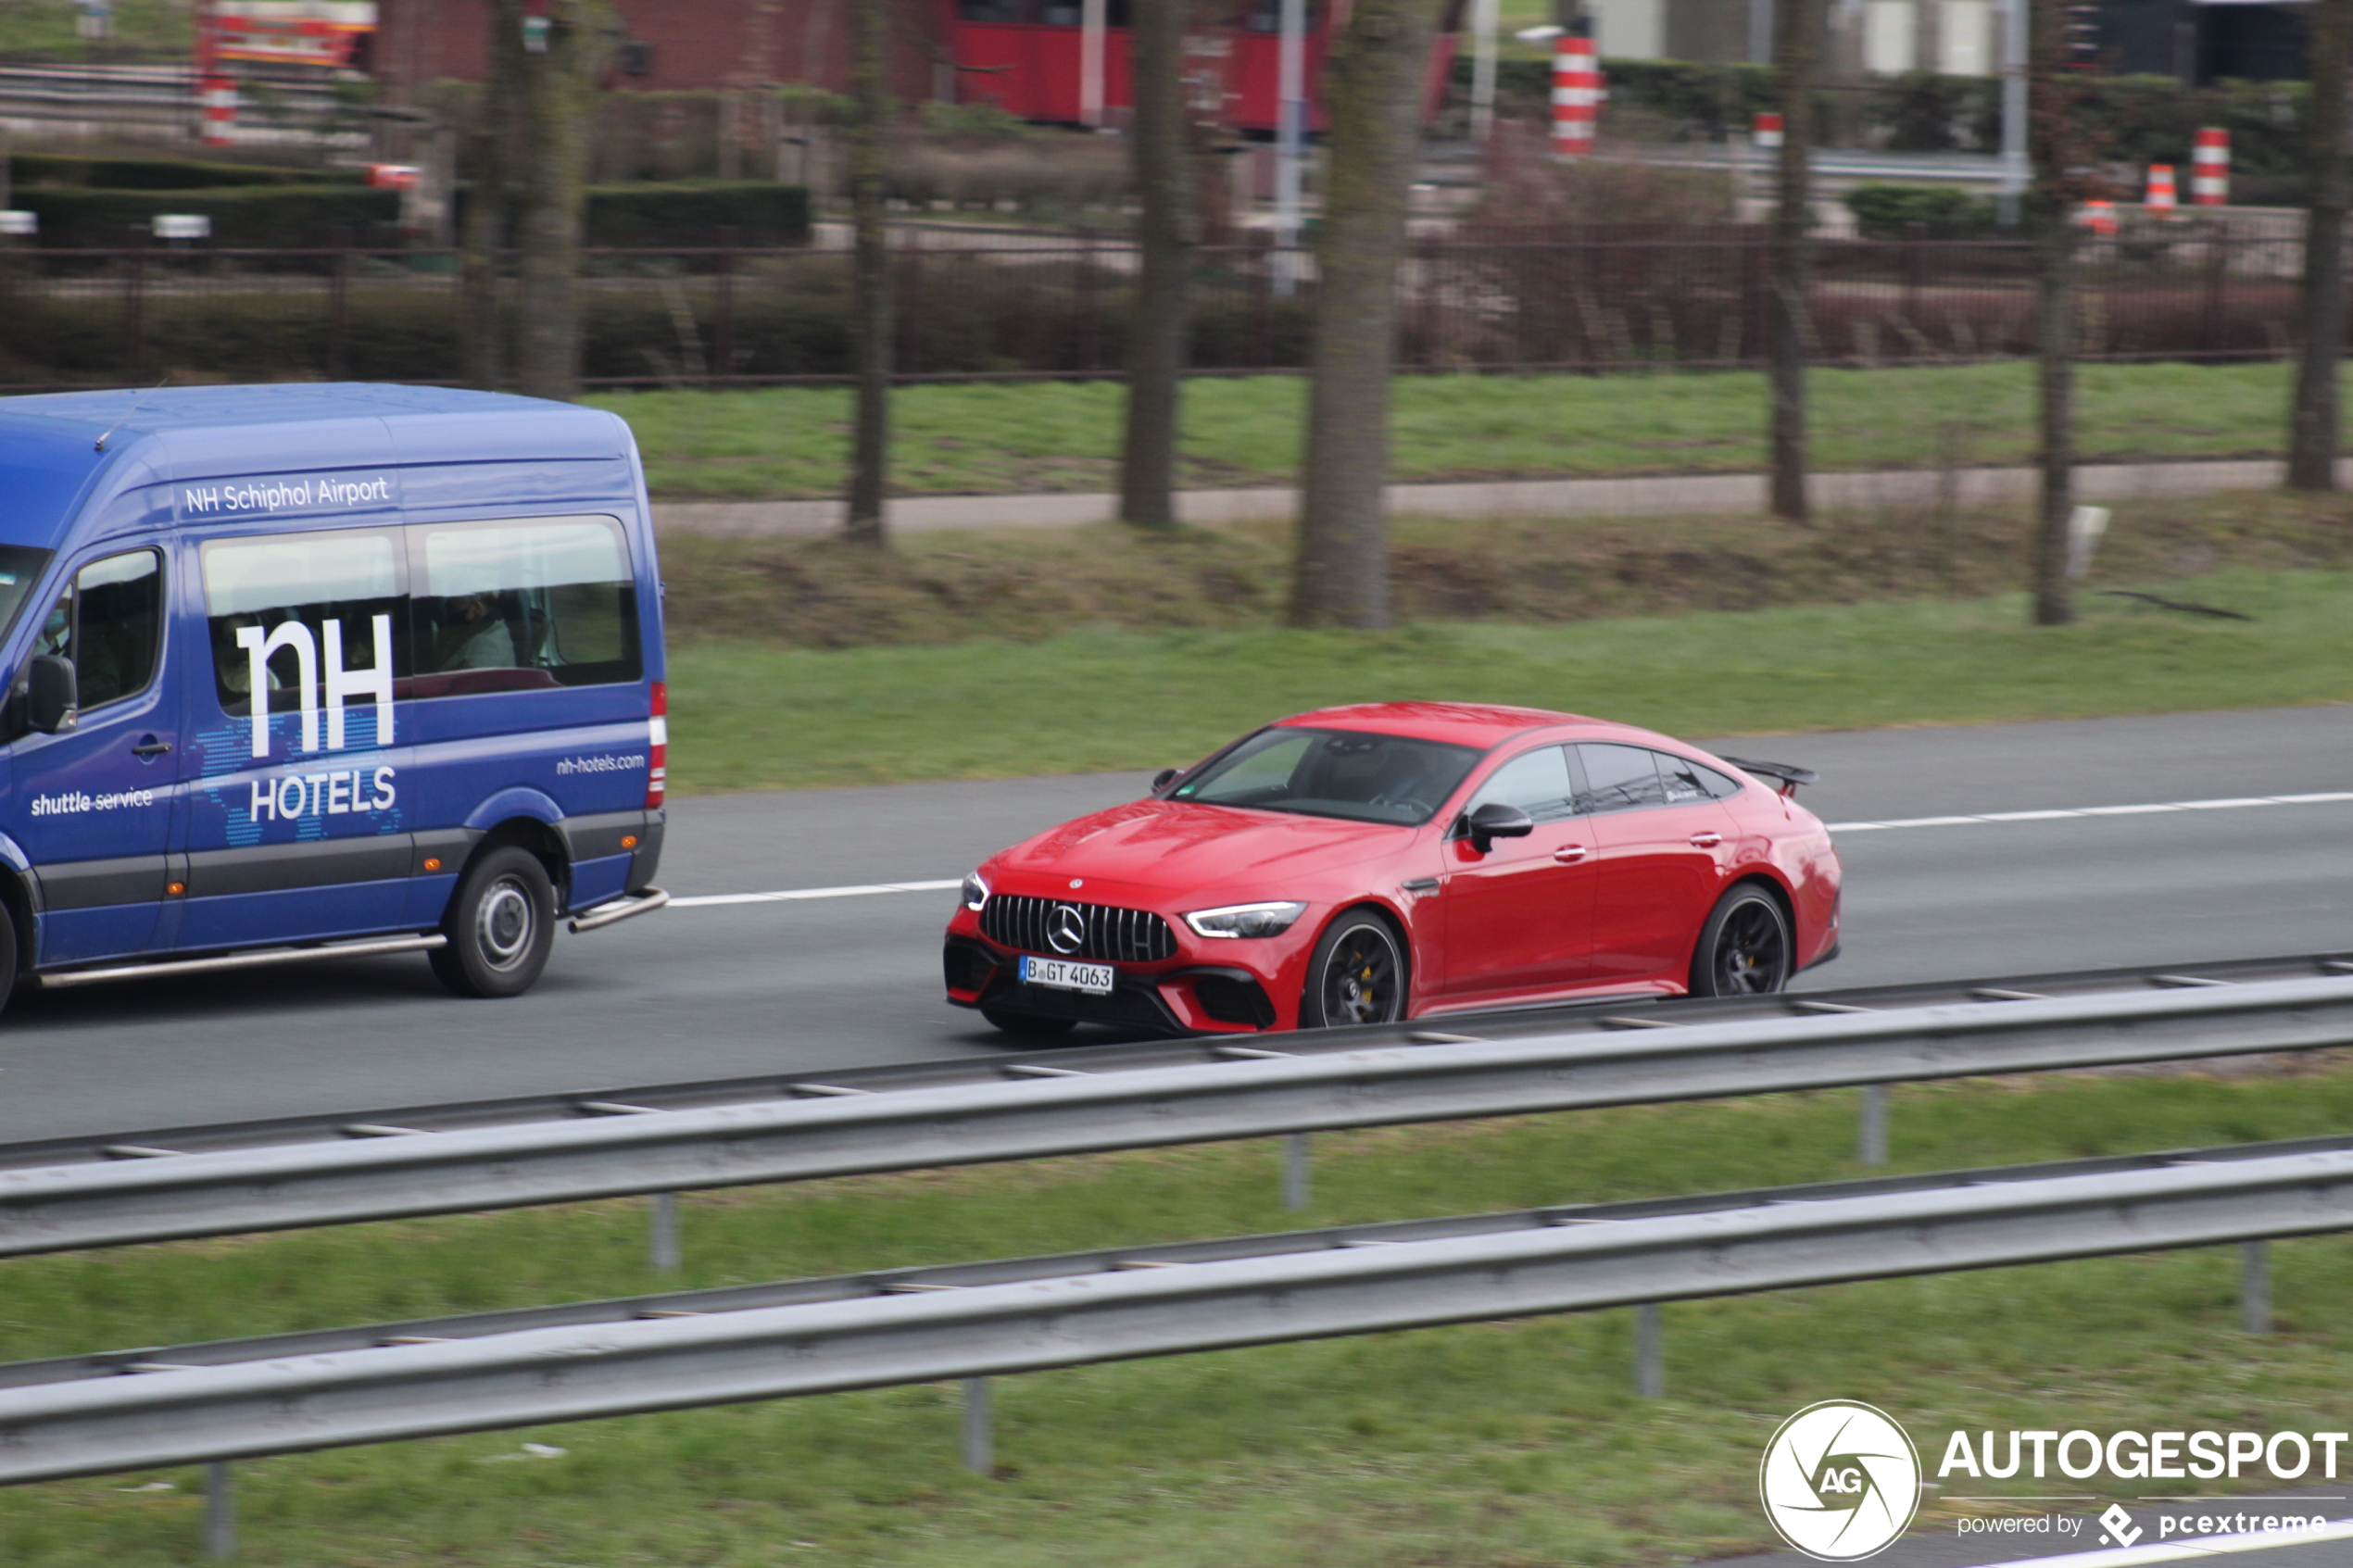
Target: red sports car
(1361, 865)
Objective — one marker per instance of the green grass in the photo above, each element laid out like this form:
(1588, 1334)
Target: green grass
(754, 716)
(148, 27)
(1504, 1444)
(1064, 436)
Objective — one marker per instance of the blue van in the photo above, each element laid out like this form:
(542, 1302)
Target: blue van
(296, 671)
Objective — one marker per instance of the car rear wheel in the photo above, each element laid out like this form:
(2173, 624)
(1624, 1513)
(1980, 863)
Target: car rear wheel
(1358, 974)
(1744, 949)
(1029, 1025)
(500, 926)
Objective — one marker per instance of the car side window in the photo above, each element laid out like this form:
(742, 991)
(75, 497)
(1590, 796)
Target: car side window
(1687, 780)
(1537, 782)
(109, 623)
(1619, 777)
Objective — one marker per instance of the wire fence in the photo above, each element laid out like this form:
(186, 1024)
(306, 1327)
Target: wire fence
(986, 306)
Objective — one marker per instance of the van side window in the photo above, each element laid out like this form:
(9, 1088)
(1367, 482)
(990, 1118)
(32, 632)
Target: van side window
(287, 590)
(109, 622)
(532, 602)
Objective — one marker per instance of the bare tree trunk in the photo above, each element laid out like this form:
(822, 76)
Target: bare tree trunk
(558, 99)
(490, 209)
(1796, 50)
(2312, 423)
(870, 324)
(2048, 211)
(1167, 230)
(1372, 96)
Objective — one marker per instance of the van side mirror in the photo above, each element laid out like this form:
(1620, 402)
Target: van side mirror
(51, 700)
(1496, 820)
(1166, 777)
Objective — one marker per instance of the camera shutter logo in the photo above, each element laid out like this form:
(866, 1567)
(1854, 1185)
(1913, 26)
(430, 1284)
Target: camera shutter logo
(1840, 1481)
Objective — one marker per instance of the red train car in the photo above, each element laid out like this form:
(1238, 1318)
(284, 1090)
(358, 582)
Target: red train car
(1028, 58)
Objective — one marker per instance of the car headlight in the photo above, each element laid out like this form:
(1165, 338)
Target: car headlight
(975, 892)
(1270, 919)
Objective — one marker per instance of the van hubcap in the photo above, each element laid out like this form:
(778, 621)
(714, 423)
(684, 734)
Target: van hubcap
(507, 921)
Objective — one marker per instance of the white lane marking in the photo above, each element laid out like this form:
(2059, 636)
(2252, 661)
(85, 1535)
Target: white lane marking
(795, 895)
(2232, 805)
(2177, 1551)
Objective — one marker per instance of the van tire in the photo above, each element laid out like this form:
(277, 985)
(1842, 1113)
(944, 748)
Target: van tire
(501, 923)
(12, 972)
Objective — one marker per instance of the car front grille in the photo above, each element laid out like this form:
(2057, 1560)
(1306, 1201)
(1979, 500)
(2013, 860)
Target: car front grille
(1112, 936)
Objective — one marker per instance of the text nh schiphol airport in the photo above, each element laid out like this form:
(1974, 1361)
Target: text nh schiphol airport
(281, 494)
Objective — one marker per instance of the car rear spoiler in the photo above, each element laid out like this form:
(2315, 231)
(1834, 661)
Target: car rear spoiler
(1791, 776)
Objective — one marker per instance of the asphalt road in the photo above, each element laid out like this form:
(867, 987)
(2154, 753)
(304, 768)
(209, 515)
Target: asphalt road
(729, 989)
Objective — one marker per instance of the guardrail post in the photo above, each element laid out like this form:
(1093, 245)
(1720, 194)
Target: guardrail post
(979, 1435)
(2254, 1285)
(663, 1249)
(1870, 1144)
(1294, 1169)
(1650, 1365)
(219, 1511)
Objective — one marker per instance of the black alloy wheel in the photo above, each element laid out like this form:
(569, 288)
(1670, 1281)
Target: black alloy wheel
(1744, 949)
(1358, 974)
(500, 925)
(1031, 1025)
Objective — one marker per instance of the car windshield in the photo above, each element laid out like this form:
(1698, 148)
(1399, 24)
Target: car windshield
(1364, 778)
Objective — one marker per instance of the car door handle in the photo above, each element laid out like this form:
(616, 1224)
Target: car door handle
(1570, 853)
(1706, 840)
(151, 749)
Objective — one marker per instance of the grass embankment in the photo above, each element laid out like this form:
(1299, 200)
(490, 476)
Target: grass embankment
(1164, 648)
(1064, 436)
(1513, 1443)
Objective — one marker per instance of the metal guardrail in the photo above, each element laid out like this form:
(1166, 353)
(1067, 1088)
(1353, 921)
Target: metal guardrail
(275, 1396)
(389, 1172)
(1600, 1016)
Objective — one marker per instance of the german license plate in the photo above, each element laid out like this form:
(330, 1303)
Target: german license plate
(1061, 974)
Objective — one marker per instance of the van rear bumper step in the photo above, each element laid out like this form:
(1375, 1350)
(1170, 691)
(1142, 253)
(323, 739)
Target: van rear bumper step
(375, 948)
(643, 902)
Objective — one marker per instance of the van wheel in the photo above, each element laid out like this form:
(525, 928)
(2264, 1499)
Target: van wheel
(500, 925)
(12, 971)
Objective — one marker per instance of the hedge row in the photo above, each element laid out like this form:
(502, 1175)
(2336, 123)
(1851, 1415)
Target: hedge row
(981, 317)
(272, 217)
(691, 212)
(166, 173)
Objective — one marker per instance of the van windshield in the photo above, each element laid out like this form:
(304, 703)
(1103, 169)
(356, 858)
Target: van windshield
(21, 568)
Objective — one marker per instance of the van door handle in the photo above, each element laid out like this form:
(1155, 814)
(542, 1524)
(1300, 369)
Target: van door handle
(1706, 840)
(1570, 853)
(151, 748)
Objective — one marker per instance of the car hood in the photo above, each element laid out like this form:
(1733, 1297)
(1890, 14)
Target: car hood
(1179, 846)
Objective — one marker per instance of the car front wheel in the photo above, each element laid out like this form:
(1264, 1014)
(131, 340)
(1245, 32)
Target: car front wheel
(1744, 949)
(1358, 974)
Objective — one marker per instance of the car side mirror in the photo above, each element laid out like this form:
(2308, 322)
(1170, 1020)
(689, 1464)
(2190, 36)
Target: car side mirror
(50, 696)
(1166, 777)
(1496, 820)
